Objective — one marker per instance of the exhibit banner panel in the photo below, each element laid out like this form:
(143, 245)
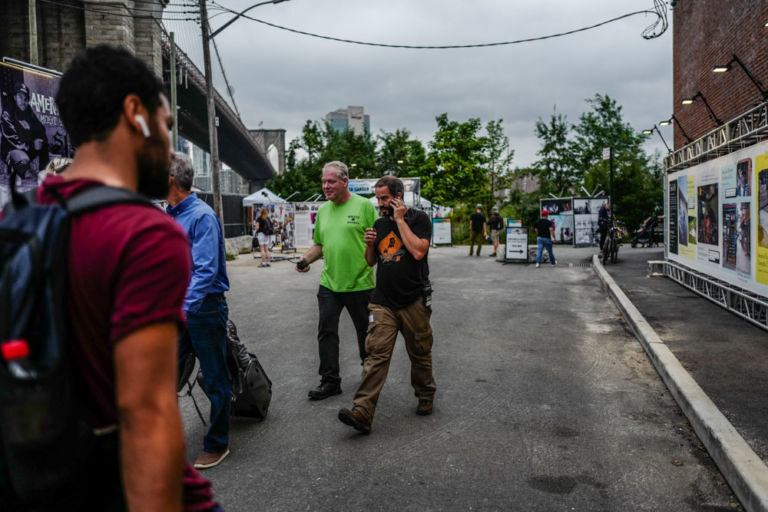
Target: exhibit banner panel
(561, 214)
(585, 214)
(304, 223)
(283, 222)
(365, 186)
(516, 248)
(441, 231)
(717, 220)
(31, 133)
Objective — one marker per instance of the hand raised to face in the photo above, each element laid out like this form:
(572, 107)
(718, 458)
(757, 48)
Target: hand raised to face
(398, 208)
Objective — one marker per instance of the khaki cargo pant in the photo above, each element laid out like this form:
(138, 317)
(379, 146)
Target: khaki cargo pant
(413, 322)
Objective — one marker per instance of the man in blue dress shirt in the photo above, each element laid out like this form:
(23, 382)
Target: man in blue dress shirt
(205, 305)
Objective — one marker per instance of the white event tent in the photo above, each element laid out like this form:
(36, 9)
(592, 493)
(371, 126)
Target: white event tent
(263, 196)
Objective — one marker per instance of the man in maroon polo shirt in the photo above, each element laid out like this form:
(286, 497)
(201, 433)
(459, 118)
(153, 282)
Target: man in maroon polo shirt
(129, 266)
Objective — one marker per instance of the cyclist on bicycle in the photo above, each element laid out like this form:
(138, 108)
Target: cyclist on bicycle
(604, 223)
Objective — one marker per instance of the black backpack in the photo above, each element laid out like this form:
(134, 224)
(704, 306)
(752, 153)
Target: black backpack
(269, 229)
(41, 427)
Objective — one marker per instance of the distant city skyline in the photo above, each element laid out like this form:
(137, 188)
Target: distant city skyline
(351, 118)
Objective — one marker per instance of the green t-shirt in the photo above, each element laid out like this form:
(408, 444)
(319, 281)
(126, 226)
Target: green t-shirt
(340, 230)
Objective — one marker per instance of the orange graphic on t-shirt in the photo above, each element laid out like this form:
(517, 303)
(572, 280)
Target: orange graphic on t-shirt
(391, 248)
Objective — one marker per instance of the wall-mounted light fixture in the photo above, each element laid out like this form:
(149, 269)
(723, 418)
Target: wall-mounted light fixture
(736, 60)
(648, 132)
(668, 122)
(698, 95)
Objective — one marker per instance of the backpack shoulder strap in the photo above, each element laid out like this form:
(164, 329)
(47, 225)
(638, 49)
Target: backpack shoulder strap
(98, 197)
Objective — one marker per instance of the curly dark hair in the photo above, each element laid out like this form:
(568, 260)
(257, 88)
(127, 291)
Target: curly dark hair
(393, 184)
(92, 90)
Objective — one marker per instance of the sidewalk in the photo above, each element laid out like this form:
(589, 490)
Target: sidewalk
(725, 355)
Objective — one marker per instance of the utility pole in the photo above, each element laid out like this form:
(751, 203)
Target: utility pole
(174, 98)
(33, 51)
(610, 183)
(213, 139)
(608, 155)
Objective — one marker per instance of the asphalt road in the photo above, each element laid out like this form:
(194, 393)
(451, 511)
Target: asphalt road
(544, 402)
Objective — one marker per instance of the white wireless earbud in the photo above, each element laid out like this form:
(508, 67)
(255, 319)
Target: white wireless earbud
(143, 124)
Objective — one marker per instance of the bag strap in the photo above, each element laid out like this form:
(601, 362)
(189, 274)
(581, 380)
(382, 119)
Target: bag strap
(99, 197)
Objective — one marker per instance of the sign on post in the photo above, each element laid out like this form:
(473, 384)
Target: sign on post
(441, 231)
(517, 244)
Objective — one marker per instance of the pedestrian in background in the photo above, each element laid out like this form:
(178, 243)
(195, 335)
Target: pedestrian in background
(496, 223)
(477, 229)
(264, 229)
(545, 236)
(401, 302)
(346, 280)
(604, 220)
(205, 305)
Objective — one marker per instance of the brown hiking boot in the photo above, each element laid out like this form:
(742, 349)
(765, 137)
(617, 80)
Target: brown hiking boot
(356, 420)
(425, 407)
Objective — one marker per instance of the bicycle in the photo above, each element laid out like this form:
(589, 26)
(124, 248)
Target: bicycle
(611, 245)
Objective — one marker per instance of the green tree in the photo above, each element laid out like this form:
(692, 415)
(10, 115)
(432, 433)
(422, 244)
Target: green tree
(400, 154)
(456, 165)
(556, 168)
(636, 177)
(357, 151)
(302, 165)
(317, 145)
(498, 157)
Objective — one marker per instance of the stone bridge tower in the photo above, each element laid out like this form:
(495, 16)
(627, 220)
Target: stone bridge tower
(49, 35)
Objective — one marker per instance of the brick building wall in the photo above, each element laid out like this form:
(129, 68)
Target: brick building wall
(68, 26)
(707, 33)
(61, 32)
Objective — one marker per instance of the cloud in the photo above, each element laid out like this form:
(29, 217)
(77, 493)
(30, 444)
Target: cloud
(284, 79)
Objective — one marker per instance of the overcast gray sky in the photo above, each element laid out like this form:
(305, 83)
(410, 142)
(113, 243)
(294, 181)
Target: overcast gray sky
(283, 79)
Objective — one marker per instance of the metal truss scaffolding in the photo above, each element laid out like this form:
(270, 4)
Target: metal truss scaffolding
(747, 305)
(747, 129)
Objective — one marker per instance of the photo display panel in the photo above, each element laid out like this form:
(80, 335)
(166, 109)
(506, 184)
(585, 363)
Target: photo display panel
(717, 220)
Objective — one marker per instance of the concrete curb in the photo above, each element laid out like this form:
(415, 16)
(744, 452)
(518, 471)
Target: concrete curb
(742, 468)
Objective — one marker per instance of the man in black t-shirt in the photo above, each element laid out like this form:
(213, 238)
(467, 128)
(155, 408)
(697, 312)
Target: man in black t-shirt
(401, 302)
(477, 229)
(545, 235)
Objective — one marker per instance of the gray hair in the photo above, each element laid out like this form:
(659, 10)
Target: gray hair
(182, 170)
(341, 169)
(58, 165)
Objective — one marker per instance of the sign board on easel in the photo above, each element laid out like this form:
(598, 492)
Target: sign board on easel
(516, 249)
(441, 231)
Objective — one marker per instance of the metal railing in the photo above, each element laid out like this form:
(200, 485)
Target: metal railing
(743, 303)
(742, 131)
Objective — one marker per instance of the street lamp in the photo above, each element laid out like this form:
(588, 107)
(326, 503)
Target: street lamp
(213, 140)
(668, 122)
(648, 132)
(735, 60)
(237, 16)
(699, 95)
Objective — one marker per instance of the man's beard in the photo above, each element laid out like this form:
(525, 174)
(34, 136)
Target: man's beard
(387, 211)
(153, 172)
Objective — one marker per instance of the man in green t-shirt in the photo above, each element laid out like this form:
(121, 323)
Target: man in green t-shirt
(346, 280)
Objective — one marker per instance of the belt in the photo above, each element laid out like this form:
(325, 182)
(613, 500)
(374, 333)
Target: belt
(219, 295)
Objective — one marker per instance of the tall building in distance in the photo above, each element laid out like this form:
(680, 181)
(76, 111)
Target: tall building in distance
(350, 118)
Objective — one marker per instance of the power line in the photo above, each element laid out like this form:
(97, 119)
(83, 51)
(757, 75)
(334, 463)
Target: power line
(647, 34)
(112, 13)
(230, 90)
